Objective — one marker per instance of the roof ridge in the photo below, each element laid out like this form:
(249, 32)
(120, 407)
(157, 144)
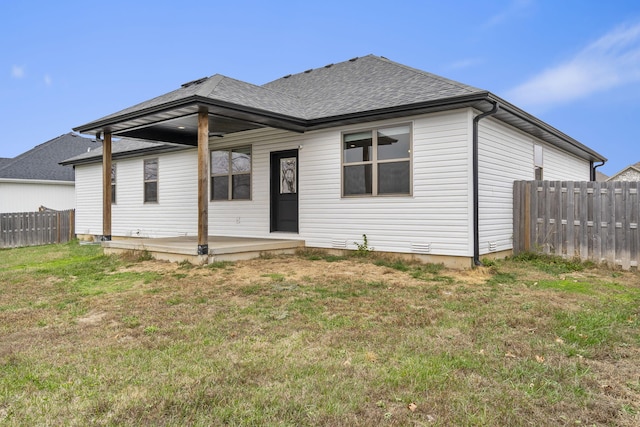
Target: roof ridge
(426, 73)
(40, 146)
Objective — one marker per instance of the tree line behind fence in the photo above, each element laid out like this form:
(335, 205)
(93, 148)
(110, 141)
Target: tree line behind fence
(595, 221)
(36, 228)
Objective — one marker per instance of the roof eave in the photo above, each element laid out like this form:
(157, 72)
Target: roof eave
(214, 106)
(125, 154)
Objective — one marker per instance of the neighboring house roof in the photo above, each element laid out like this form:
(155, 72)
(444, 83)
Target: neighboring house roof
(123, 148)
(631, 172)
(42, 161)
(600, 177)
(354, 91)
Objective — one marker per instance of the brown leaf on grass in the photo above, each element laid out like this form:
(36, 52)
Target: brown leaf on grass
(539, 359)
(412, 407)
(559, 340)
(509, 354)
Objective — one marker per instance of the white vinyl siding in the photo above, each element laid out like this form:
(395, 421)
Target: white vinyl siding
(22, 195)
(174, 214)
(435, 215)
(89, 199)
(436, 219)
(562, 166)
(507, 155)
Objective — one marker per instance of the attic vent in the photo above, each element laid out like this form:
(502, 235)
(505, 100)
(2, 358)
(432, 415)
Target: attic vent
(309, 70)
(353, 59)
(194, 82)
(287, 76)
(328, 66)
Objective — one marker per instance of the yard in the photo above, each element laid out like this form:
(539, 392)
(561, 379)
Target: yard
(314, 339)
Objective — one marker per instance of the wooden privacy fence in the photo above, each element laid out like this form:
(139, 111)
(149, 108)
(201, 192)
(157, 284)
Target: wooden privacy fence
(595, 221)
(36, 228)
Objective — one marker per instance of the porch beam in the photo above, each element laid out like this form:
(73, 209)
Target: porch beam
(203, 181)
(106, 186)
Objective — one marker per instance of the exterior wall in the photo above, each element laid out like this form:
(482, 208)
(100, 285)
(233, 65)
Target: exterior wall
(434, 217)
(28, 195)
(561, 166)
(89, 199)
(175, 214)
(507, 155)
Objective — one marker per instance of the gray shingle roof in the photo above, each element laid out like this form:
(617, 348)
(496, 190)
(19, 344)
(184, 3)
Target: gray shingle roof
(365, 84)
(42, 161)
(225, 89)
(358, 90)
(358, 85)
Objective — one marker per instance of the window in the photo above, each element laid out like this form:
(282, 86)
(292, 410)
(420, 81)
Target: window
(231, 174)
(377, 162)
(538, 162)
(151, 180)
(113, 183)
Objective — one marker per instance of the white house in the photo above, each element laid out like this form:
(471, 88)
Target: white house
(34, 179)
(418, 163)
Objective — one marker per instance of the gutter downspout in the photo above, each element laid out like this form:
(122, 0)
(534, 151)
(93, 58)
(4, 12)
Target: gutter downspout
(593, 170)
(476, 185)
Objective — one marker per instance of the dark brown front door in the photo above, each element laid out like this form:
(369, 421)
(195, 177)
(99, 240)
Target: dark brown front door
(284, 191)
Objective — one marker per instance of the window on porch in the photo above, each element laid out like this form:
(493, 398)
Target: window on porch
(151, 180)
(231, 174)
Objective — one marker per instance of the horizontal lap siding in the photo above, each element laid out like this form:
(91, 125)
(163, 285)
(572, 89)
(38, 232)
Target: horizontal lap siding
(505, 155)
(251, 218)
(560, 166)
(436, 213)
(89, 199)
(175, 213)
(28, 197)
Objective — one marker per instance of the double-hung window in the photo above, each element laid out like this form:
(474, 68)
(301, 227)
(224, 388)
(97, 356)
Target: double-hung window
(377, 162)
(151, 180)
(231, 174)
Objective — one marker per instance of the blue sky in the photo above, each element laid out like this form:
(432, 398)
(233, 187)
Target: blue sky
(573, 63)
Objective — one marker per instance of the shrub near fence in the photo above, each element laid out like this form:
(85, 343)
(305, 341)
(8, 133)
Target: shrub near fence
(36, 228)
(595, 221)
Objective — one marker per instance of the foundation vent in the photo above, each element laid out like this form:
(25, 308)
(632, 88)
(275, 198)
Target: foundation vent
(421, 248)
(339, 244)
(493, 246)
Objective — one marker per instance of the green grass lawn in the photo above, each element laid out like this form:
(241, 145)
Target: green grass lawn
(314, 339)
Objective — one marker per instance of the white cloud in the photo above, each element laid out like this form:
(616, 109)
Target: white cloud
(47, 80)
(516, 7)
(465, 63)
(611, 61)
(17, 71)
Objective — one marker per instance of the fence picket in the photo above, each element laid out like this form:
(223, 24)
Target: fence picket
(590, 220)
(36, 228)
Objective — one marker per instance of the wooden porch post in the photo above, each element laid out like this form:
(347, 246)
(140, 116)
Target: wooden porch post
(203, 180)
(106, 186)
